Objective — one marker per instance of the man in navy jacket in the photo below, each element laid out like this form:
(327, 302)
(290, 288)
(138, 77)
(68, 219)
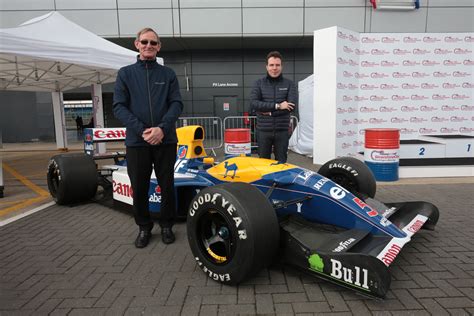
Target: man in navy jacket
(273, 98)
(148, 102)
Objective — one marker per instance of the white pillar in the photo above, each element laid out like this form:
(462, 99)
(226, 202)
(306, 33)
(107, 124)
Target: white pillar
(59, 120)
(98, 113)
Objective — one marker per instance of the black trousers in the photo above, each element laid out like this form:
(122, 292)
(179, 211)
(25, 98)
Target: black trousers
(278, 140)
(140, 163)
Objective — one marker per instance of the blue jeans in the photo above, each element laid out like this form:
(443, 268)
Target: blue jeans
(278, 140)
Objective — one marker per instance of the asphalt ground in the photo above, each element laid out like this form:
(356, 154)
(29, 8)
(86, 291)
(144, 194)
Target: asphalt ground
(81, 260)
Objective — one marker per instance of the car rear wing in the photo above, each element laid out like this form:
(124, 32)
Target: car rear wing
(94, 136)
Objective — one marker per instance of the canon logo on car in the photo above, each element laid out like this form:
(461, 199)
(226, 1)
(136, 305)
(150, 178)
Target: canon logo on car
(424, 130)
(366, 39)
(361, 52)
(417, 74)
(408, 39)
(457, 96)
(374, 120)
(447, 130)
(346, 122)
(366, 86)
(365, 109)
(378, 75)
(439, 97)
(462, 51)
(407, 131)
(468, 62)
(410, 63)
(437, 119)
(417, 97)
(122, 189)
(346, 98)
(441, 51)
(429, 39)
(397, 97)
(460, 74)
(448, 85)
(428, 108)
(415, 119)
(469, 39)
(439, 74)
(450, 39)
(357, 98)
(449, 62)
(377, 98)
(386, 86)
(466, 107)
(419, 51)
(466, 129)
(109, 134)
(426, 85)
(457, 119)
(351, 110)
(391, 254)
(366, 63)
(387, 109)
(408, 108)
(397, 74)
(398, 51)
(387, 63)
(398, 120)
(416, 226)
(427, 62)
(467, 85)
(376, 51)
(347, 74)
(409, 86)
(448, 108)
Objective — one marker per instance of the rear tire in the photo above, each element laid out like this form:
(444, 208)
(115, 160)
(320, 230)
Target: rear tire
(352, 174)
(72, 178)
(233, 231)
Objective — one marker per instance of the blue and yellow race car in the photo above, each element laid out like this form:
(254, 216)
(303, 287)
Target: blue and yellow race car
(245, 213)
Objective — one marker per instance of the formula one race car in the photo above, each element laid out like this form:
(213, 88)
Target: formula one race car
(244, 211)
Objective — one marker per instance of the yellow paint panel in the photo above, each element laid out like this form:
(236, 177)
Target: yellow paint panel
(246, 169)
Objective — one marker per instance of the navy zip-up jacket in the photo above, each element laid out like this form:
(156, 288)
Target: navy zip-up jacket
(147, 95)
(266, 93)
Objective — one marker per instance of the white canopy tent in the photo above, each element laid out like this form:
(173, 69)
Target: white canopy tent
(51, 53)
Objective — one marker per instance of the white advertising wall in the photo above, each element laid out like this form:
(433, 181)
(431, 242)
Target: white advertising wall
(421, 84)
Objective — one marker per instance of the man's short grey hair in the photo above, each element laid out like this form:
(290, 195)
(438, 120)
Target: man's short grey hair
(146, 30)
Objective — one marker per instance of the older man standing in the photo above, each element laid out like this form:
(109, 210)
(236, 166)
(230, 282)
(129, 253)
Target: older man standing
(273, 98)
(148, 102)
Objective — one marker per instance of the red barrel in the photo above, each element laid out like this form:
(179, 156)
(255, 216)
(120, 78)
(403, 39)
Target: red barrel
(381, 152)
(237, 142)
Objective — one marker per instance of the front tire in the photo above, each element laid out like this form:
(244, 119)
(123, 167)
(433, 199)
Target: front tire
(233, 231)
(352, 174)
(72, 178)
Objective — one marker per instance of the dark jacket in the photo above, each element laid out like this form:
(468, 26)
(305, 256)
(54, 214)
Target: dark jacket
(266, 93)
(147, 95)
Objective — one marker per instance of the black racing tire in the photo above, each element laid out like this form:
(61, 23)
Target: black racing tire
(352, 174)
(72, 178)
(233, 231)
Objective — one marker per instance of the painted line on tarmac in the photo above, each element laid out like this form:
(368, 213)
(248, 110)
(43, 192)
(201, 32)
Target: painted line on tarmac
(15, 218)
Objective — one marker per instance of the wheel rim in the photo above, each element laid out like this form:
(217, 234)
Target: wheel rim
(215, 237)
(345, 182)
(54, 181)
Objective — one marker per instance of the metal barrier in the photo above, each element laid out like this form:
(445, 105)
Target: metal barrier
(214, 137)
(251, 122)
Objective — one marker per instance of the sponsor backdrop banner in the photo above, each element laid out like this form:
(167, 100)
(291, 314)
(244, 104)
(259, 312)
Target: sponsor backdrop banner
(420, 83)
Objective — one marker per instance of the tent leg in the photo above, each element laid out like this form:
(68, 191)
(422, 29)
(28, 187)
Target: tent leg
(98, 113)
(59, 120)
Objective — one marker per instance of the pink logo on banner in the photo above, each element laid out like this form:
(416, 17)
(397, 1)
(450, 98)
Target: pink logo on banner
(409, 108)
(346, 122)
(424, 130)
(352, 86)
(466, 129)
(366, 39)
(398, 120)
(360, 121)
(408, 39)
(428, 108)
(429, 39)
(449, 108)
(347, 74)
(429, 63)
(353, 63)
(345, 145)
(458, 74)
(439, 97)
(387, 63)
(361, 52)
(366, 63)
(439, 74)
(457, 119)
(375, 120)
(462, 51)
(397, 74)
(359, 75)
(409, 86)
(397, 97)
(357, 143)
(389, 40)
(341, 86)
(417, 74)
(415, 119)
(366, 86)
(469, 39)
(340, 134)
(417, 97)
(448, 62)
(351, 133)
(437, 119)
(352, 109)
(442, 51)
(457, 96)
(346, 98)
(398, 51)
(407, 131)
(447, 130)
(377, 98)
(341, 35)
(366, 109)
(378, 75)
(466, 107)
(358, 99)
(468, 62)
(376, 51)
(410, 63)
(419, 51)
(387, 109)
(450, 39)
(448, 85)
(341, 61)
(387, 86)
(347, 49)
(426, 85)
(352, 38)
(341, 110)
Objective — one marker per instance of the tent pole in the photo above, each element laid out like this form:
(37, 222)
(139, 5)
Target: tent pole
(59, 120)
(98, 113)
